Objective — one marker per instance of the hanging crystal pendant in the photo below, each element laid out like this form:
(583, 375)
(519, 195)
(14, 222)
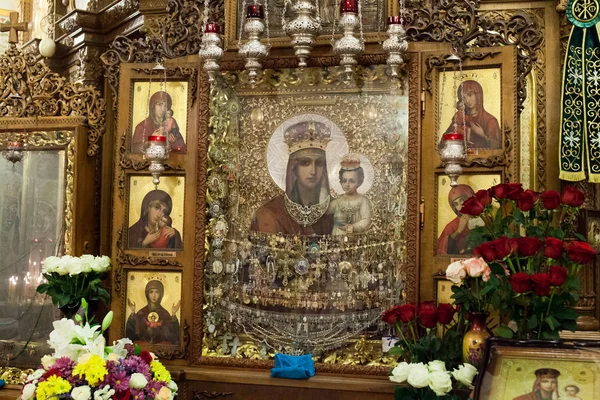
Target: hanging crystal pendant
(395, 45)
(452, 154)
(15, 150)
(349, 47)
(157, 153)
(254, 51)
(303, 30)
(211, 50)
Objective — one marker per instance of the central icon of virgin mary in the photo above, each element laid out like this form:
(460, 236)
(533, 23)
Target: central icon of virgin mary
(302, 208)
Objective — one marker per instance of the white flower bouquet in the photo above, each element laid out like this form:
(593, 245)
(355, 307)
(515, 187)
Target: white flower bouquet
(71, 279)
(431, 380)
(83, 368)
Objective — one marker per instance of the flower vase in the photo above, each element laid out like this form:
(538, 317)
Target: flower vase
(475, 338)
(69, 310)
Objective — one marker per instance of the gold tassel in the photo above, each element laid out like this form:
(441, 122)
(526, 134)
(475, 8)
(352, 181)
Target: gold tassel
(574, 176)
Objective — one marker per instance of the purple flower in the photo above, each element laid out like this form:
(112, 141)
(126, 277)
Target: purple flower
(137, 394)
(153, 388)
(65, 365)
(136, 364)
(119, 381)
(130, 350)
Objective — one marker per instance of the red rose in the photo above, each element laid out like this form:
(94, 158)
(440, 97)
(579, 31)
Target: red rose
(51, 372)
(514, 245)
(486, 251)
(554, 248)
(514, 190)
(483, 196)
(428, 314)
(499, 191)
(122, 395)
(529, 246)
(146, 356)
(526, 200)
(406, 313)
(472, 206)
(550, 199)
(541, 283)
(390, 316)
(558, 275)
(520, 282)
(572, 197)
(501, 247)
(580, 252)
(446, 313)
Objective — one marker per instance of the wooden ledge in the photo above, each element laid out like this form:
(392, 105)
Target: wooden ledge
(353, 383)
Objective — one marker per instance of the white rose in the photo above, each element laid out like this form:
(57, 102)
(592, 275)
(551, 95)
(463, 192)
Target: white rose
(101, 264)
(400, 373)
(48, 361)
(465, 374)
(440, 382)
(50, 264)
(74, 266)
(137, 381)
(35, 375)
(62, 265)
(456, 272)
(173, 386)
(28, 391)
(164, 394)
(436, 365)
(113, 357)
(418, 375)
(87, 263)
(81, 393)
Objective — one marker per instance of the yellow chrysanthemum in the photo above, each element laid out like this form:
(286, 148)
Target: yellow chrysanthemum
(159, 371)
(52, 386)
(94, 370)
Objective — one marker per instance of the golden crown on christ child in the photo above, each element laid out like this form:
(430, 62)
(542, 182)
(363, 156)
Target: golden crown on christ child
(307, 135)
(350, 162)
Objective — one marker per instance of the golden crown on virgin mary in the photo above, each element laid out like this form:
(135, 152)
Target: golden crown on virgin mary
(307, 135)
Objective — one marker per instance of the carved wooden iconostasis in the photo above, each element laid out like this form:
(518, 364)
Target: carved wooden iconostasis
(50, 132)
(235, 286)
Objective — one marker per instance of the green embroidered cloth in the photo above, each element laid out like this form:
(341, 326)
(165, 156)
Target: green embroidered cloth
(580, 109)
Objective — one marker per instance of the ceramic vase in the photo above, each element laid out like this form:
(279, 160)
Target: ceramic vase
(475, 338)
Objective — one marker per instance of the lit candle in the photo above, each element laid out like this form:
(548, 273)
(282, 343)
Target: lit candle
(212, 28)
(349, 6)
(394, 20)
(255, 11)
(453, 136)
(12, 289)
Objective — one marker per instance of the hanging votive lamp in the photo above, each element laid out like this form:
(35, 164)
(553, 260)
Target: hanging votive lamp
(303, 29)
(452, 154)
(211, 51)
(395, 45)
(254, 51)
(15, 150)
(349, 47)
(157, 152)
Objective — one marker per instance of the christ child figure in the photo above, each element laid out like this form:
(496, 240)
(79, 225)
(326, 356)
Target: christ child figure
(352, 210)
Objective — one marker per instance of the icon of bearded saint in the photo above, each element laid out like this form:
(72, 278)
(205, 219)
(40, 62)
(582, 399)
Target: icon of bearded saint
(302, 208)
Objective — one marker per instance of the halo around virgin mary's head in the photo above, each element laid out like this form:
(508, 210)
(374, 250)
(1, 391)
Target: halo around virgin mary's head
(278, 151)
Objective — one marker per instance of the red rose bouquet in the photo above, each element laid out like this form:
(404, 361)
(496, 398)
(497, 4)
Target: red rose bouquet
(416, 327)
(532, 257)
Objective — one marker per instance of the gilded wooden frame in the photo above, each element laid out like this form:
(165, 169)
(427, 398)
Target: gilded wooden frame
(509, 369)
(232, 23)
(370, 350)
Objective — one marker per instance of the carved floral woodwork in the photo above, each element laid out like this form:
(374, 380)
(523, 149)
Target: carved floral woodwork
(31, 89)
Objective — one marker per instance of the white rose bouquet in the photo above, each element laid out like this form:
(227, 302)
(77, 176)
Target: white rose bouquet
(71, 279)
(431, 380)
(83, 368)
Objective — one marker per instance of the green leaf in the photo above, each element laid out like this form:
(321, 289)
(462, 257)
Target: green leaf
(403, 393)
(395, 351)
(532, 322)
(552, 322)
(569, 325)
(566, 313)
(580, 237)
(43, 288)
(136, 350)
(503, 331)
(550, 334)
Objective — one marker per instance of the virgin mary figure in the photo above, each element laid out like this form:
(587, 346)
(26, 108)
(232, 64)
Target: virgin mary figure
(302, 208)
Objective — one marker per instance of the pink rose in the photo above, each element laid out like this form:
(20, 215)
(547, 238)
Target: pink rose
(486, 274)
(475, 267)
(456, 273)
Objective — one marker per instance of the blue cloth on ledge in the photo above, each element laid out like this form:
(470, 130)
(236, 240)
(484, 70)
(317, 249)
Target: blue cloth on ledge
(293, 367)
(2, 383)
